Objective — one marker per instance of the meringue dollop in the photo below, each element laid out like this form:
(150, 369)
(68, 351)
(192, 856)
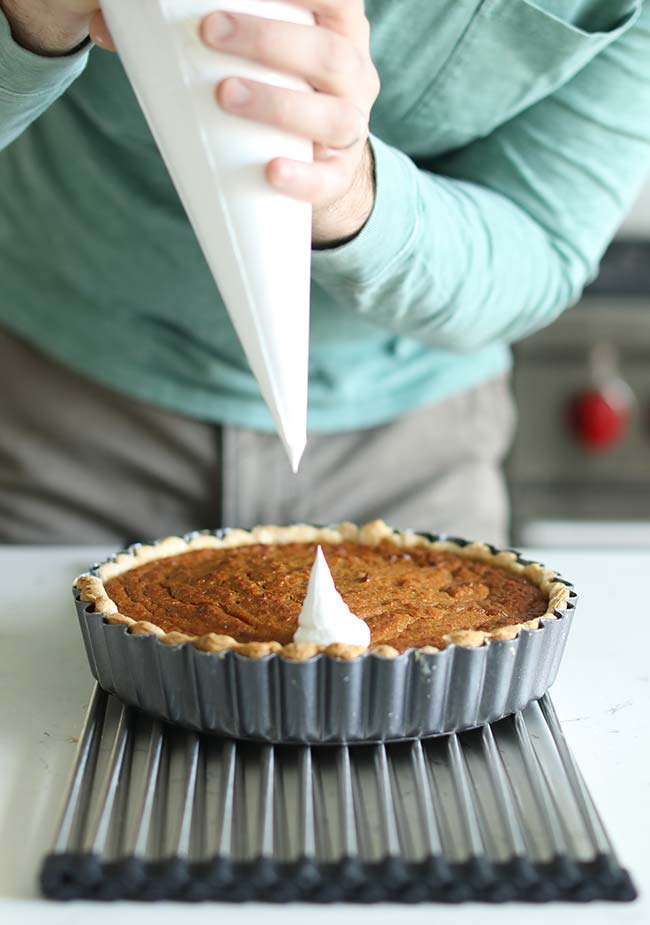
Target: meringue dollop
(325, 618)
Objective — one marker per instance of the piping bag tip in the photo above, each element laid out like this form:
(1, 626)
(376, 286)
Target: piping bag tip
(294, 450)
(295, 456)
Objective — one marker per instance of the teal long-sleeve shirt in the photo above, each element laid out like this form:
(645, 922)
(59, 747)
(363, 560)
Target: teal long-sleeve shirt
(510, 137)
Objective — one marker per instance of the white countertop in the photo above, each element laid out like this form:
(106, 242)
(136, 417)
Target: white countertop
(602, 697)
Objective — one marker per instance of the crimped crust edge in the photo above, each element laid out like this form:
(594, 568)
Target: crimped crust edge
(92, 590)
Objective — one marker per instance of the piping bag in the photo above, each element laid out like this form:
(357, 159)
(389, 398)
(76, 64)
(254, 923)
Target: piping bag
(257, 242)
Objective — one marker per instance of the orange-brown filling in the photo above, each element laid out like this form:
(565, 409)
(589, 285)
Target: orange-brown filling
(409, 598)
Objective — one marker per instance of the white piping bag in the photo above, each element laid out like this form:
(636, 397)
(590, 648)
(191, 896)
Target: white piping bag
(256, 241)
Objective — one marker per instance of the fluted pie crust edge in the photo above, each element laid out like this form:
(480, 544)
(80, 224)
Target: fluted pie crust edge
(91, 588)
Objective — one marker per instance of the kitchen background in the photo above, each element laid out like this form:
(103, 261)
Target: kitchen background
(579, 470)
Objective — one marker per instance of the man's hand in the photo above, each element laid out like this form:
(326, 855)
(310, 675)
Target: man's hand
(334, 58)
(50, 27)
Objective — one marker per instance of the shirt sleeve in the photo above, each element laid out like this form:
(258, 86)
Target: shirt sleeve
(29, 83)
(505, 234)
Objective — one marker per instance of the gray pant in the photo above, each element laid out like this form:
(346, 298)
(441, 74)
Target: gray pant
(80, 463)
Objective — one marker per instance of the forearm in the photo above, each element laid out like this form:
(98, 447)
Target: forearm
(47, 28)
(493, 241)
(448, 262)
(29, 83)
(478, 270)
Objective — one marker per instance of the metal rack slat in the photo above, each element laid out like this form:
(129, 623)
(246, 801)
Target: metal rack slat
(183, 839)
(142, 832)
(389, 828)
(348, 821)
(545, 805)
(600, 840)
(226, 839)
(469, 812)
(97, 838)
(509, 814)
(69, 831)
(266, 807)
(426, 801)
(307, 822)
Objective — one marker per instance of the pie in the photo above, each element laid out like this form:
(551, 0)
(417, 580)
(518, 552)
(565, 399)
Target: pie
(243, 591)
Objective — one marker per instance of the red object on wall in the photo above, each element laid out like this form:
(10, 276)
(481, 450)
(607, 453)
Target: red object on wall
(599, 421)
(600, 416)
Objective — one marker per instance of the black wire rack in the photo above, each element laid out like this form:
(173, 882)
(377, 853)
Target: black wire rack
(500, 813)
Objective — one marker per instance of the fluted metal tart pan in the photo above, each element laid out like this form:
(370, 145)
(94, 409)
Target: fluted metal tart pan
(327, 700)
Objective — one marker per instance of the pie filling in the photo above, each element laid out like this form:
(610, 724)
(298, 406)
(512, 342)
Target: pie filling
(409, 598)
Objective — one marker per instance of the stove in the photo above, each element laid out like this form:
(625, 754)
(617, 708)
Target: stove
(579, 470)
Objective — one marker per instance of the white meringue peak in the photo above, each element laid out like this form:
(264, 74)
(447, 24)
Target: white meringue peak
(325, 618)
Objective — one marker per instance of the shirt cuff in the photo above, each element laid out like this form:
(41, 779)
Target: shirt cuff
(389, 232)
(24, 73)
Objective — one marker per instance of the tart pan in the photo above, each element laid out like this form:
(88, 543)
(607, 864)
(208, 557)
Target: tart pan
(326, 700)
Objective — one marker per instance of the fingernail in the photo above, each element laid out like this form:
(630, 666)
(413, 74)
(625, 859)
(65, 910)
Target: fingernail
(235, 93)
(100, 36)
(219, 27)
(283, 173)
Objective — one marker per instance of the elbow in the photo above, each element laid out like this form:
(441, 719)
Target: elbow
(560, 288)
(576, 270)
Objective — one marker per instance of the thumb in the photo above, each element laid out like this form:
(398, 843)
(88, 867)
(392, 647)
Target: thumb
(100, 33)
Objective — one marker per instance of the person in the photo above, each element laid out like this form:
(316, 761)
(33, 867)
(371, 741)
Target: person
(472, 162)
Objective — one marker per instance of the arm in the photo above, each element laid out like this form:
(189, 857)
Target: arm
(38, 60)
(506, 233)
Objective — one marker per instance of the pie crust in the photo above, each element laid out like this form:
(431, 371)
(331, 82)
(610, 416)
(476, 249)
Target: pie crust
(92, 589)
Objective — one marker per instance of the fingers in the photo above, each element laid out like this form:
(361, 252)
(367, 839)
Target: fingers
(99, 33)
(82, 6)
(340, 8)
(325, 59)
(322, 181)
(344, 16)
(327, 120)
